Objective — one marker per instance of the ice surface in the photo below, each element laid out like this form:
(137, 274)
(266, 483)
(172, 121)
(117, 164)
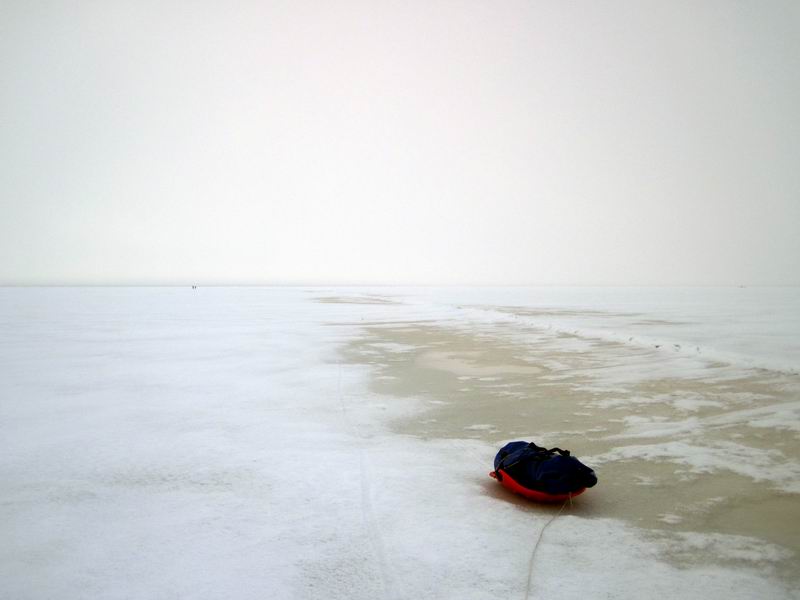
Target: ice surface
(209, 443)
(757, 464)
(751, 326)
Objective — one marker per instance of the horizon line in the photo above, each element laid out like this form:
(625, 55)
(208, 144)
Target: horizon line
(423, 285)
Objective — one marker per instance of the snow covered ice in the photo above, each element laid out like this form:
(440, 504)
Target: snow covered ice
(293, 443)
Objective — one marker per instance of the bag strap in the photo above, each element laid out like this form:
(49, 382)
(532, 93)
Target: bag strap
(541, 454)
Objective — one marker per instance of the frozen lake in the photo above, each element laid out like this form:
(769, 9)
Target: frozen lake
(329, 443)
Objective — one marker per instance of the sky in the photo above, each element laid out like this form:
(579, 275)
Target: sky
(400, 142)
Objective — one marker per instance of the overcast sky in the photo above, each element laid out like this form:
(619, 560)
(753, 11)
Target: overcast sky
(426, 141)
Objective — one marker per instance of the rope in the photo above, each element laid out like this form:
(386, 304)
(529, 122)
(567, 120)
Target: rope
(536, 546)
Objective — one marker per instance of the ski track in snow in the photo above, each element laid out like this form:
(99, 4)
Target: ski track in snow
(367, 511)
(371, 525)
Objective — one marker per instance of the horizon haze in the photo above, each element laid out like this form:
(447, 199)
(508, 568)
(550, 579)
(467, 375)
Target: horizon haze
(371, 143)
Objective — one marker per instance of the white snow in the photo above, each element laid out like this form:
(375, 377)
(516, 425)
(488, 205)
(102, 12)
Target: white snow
(179, 443)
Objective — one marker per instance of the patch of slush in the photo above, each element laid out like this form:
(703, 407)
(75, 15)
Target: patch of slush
(694, 404)
(683, 401)
(749, 327)
(760, 465)
(670, 518)
(780, 416)
(688, 545)
(393, 347)
(480, 427)
(616, 562)
(785, 416)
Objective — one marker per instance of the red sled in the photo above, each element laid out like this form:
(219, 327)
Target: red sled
(509, 483)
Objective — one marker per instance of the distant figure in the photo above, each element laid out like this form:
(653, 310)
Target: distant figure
(194, 287)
